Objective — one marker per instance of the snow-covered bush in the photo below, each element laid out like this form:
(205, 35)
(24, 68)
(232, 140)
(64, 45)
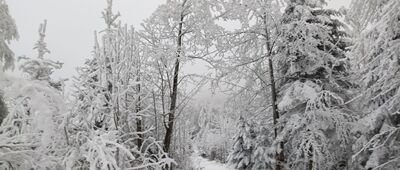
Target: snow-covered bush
(32, 134)
(214, 133)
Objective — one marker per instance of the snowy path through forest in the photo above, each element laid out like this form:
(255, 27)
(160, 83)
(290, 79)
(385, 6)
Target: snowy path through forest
(201, 163)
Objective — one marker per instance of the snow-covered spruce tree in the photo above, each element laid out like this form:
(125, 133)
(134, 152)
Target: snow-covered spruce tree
(176, 32)
(254, 105)
(9, 32)
(314, 87)
(241, 156)
(32, 134)
(264, 152)
(41, 68)
(102, 125)
(377, 56)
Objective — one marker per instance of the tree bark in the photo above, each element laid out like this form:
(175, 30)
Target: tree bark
(310, 159)
(155, 115)
(172, 109)
(279, 154)
(280, 157)
(139, 121)
(3, 109)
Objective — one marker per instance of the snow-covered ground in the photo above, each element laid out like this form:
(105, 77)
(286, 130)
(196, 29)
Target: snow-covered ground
(204, 164)
(201, 163)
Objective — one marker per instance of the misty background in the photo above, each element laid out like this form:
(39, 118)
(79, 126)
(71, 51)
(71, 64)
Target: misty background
(70, 32)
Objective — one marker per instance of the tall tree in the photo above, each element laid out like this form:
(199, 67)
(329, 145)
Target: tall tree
(376, 55)
(9, 32)
(253, 48)
(108, 105)
(314, 86)
(177, 31)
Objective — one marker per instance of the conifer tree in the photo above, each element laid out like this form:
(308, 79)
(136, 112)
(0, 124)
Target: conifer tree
(33, 129)
(243, 148)
(41, 68)
(376, 54)
(314, 84)
(9, 32)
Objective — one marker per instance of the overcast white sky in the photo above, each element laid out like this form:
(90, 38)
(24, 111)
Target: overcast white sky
(71, 25)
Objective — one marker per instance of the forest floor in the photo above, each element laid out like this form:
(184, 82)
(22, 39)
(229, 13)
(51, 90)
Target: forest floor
(201, 163)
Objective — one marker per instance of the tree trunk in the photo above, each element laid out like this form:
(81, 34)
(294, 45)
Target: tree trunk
(155, 115)
(172, 109)
(279, 155)
(3, 109)
(280, 158)
(139, 120)
(310, 159)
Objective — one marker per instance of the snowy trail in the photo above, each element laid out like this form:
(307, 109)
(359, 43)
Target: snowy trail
(201, 163)
(204, 164)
